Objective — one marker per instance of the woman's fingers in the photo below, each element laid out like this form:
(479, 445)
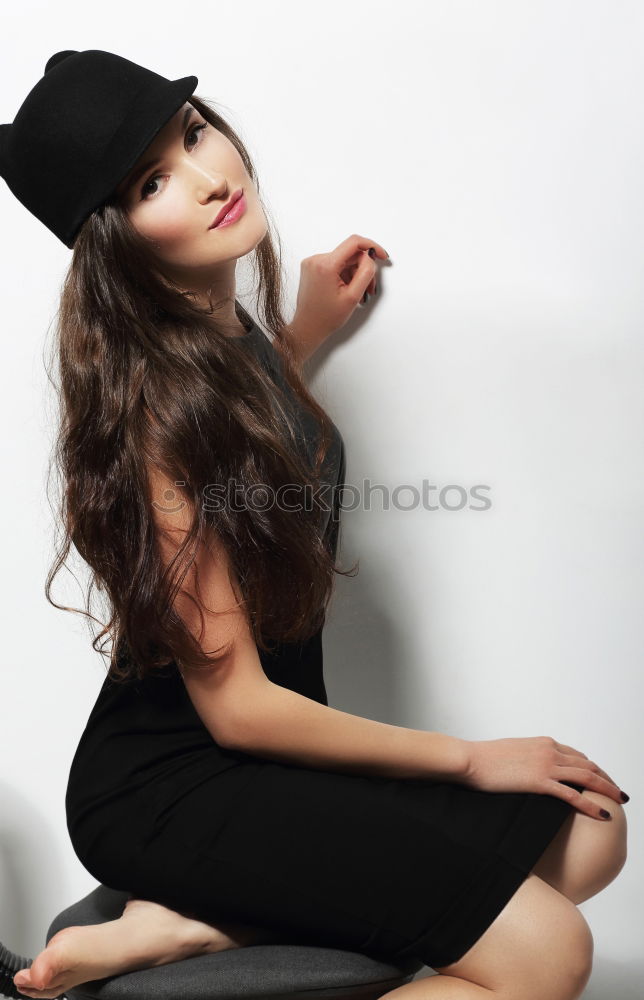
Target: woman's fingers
(355, 243)
(594, 780)
(353, 259)
(583, 804)
(608, 778)
(591, 763)
(577, 759)
(362, 277)
(566, 749)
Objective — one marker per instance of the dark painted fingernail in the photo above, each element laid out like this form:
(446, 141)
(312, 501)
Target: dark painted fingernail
(624, 796)
(605, 813)
(372, 252)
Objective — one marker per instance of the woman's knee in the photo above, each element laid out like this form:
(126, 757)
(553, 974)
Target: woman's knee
(586, 854)
(612, 847)
(538, 945)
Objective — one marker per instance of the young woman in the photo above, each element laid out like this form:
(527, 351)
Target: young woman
(201, 485)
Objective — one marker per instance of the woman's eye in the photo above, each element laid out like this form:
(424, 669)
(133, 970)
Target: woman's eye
(152, 180)
(197, 128)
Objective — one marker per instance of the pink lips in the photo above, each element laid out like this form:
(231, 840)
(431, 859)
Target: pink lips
(229, 215)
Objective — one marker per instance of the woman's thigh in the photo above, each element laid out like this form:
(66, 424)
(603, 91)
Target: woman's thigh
(538, 946)
(363, 864)
(220, 890)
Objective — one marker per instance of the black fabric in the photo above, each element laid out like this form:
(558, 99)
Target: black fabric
(398, 867)
(88, 119)
(145, 739)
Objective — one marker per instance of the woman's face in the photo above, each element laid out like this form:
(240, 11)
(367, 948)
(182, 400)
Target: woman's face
(175, 201)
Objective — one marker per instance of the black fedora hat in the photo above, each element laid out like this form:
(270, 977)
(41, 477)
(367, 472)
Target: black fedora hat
(79, 132)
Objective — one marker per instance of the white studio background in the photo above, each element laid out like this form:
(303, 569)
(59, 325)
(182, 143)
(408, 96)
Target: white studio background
(496, 150)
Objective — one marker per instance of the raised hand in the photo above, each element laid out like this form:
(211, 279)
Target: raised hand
(331, 287)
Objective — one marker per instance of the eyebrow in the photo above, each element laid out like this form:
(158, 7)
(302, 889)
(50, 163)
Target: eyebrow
(134, 175)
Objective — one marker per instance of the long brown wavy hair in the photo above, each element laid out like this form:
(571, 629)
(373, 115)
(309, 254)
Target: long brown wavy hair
(148, 376)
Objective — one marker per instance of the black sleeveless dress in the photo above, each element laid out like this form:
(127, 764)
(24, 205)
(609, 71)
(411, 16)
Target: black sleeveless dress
(386, 866)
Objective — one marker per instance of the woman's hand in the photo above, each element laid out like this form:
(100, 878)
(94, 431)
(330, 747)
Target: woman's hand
(537, 764)
(331, 286)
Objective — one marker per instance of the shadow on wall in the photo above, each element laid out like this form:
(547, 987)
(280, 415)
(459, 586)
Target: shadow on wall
(31, 873)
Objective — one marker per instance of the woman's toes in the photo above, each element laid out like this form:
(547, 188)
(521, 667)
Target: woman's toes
(22, 977)
(54, 990)
(146, 935)
(46, 970)
(41, 994)
(48, 974)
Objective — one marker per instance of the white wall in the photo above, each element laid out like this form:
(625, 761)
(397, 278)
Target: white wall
(496, 150)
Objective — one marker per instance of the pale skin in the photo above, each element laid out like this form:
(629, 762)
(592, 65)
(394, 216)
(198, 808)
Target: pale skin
(539, 945)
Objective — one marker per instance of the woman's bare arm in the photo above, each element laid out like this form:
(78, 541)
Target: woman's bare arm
(286, 726)
(242, 709)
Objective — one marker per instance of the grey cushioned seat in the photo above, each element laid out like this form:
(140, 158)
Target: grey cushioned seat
(266, 971)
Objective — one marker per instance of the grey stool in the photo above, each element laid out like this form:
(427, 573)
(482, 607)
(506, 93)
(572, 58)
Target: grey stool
(254, 972)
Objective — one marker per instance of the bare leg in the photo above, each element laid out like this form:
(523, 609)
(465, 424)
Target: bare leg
(442, 988)
(586, 854)
(145, 935)
(583, 858)
(539, 946)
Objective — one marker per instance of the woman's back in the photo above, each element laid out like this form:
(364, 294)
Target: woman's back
(144, 747)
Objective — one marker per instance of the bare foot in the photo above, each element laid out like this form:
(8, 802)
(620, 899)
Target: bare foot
(147, 934)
